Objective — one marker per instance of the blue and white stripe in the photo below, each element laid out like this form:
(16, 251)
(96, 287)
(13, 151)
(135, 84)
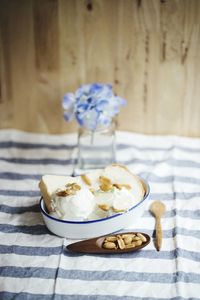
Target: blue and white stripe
(34, 263)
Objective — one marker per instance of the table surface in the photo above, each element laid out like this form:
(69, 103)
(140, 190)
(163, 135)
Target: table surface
(34, 264)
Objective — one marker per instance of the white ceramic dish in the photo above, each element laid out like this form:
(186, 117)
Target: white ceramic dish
(94, 228)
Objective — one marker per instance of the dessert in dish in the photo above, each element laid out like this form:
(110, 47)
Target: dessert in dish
(94, 195)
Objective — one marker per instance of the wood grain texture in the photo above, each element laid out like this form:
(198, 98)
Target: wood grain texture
(148, 49)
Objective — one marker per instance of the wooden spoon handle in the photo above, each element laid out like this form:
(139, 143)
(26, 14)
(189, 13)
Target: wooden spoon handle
(158, 234)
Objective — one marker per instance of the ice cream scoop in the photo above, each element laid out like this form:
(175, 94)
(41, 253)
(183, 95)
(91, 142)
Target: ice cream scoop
(115, 200)
(76, 206)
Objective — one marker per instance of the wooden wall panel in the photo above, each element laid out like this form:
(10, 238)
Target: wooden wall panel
(148, 49)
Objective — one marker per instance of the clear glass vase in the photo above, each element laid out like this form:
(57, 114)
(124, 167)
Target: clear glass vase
(96, 149)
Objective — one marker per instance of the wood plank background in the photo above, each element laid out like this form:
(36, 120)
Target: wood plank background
(148, 49)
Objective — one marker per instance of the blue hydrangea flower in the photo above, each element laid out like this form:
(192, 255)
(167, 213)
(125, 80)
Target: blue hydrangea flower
(92, 105)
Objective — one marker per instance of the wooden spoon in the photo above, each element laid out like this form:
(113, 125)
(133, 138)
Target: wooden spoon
(95, 245)
(157, 208)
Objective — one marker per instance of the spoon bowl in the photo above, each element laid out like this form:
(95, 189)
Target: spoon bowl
(95, 245)
(157, 208)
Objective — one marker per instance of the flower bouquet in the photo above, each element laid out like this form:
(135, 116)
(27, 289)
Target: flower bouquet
(95, 107)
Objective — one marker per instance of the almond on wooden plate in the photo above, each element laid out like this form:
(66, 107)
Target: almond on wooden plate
(124, 241)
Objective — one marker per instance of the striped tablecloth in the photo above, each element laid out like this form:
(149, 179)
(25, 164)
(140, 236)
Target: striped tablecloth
(34, 264)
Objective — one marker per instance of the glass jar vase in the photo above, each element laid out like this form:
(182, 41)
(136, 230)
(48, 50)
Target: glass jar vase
(96, 149)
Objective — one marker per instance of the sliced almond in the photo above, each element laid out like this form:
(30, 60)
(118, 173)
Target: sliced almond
(111, 239)
(127, 240)
(109, 245)
(69, 185)
(76, 187)
(128, 235)
(132, 245)
(63, 193)
(106, 187)
(136, 238)
(118, 210)
(104, 207)
(120, 242)
(86, 179)
(138, 243)
(142, 237)
(120, 186)
(105, 180)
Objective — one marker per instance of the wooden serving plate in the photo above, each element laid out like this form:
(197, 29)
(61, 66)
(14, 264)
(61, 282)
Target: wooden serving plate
(94, 245)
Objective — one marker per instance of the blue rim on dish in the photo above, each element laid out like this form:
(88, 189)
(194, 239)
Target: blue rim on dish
(97, 220)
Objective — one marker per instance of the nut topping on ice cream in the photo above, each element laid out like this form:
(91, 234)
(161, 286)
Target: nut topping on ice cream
(107, 185)
(71, 189)
(86, 179)
(98, 194)
(120, 186)
(104, 207)
(72, 203)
